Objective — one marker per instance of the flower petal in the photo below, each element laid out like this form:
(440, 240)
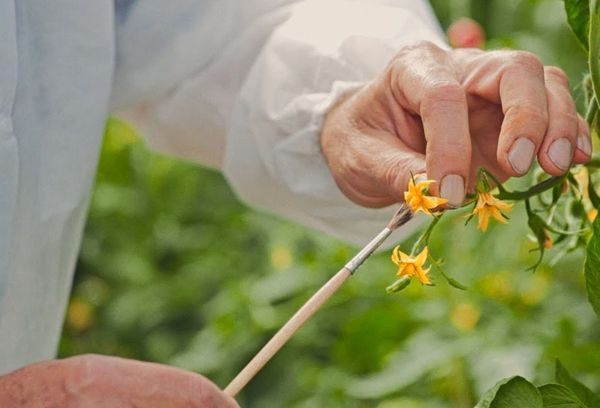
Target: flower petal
(406, 270)
(498, 215)
(422, 257)
(483, 221)
(422, 275)
(432, 202)
(396, 256)
(404, 258)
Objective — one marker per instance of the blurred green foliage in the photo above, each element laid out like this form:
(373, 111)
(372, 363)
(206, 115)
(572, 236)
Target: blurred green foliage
(174, 269)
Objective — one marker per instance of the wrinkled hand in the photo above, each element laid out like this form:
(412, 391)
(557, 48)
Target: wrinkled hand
(449, 112)
(102, 381)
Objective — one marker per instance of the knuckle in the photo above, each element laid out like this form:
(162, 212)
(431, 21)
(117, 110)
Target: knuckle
(417, 49)
(522, 60)
(392, 174)
(530, 113)
(569, 119)
(456, 151)
(582, 125)
(83, 373)
(530, 119)
(557, 73)
(201, 393)
(426, 45)
(527, 60)
(564, 125)
(442, 93)
(421, 45)
(537, 116)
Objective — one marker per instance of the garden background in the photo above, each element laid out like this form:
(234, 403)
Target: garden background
(174, 269)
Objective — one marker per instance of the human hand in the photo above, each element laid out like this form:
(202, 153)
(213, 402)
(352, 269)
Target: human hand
(449, 112)
(103, 381)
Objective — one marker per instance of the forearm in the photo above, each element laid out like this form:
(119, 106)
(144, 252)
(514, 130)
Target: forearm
(254, 104)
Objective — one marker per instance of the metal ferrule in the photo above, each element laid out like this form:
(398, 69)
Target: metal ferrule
(366, 252)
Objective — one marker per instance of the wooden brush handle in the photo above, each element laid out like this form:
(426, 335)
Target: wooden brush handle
(286, 332)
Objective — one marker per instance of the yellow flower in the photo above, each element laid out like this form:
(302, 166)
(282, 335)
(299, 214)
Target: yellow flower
(487, 205)
(592, 214)
(411, 266)
(417, 200)
(548, 241)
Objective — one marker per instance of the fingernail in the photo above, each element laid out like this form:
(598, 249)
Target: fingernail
(521, 154)
(561, 153)
(453, 189)
(583, 144)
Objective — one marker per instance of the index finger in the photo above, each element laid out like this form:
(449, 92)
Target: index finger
(430, 88)
(523, 97)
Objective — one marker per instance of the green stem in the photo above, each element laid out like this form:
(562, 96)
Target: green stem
(594, 50)
(594, 163)
(591, 111)
(539, 188)
(424, 238)
(499, 185)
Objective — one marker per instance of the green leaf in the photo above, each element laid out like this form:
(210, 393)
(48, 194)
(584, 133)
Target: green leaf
(583, 393)
(454, 283)
(511, 393)
(592, 267)
(451, 281)
(556, 193)
(537, 226)
(578, 15)
(559, 396)
(594, 58)
(592, 192)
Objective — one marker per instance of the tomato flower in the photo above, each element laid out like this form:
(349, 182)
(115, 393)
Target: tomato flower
(489, 206)
(417, 200)
(411, 266)
(548, 241)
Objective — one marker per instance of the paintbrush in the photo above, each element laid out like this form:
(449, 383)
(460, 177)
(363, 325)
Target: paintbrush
(401, 217)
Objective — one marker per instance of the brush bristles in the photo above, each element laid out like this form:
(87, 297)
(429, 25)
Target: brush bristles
(401, 217)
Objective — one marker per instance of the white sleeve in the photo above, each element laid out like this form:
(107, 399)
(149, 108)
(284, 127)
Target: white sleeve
(254, 108)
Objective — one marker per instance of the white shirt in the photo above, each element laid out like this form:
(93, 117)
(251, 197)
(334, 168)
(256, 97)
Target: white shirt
(240, 85)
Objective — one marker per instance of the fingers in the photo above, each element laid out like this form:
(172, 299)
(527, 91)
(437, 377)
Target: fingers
(419, 111)
(556, 151)
(426, 81)
(370, 164)
(522, 93)
(372, 170)
(112, 381)
(583, 150)
(444, 113)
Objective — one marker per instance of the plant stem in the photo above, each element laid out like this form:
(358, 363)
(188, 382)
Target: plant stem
(594, 54)
(424, 238)
(594, 163)
(533, 190)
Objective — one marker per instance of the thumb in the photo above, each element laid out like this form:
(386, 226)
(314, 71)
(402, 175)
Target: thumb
(379, 172)
(368, 160)
(397, 173)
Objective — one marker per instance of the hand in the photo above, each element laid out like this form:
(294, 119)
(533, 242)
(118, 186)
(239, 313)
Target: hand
(449, 112)
(102, 381)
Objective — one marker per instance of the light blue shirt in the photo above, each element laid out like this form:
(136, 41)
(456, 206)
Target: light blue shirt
(240, 85)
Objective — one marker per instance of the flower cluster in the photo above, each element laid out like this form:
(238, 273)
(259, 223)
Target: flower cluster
(411, 266)
(488, 206)
(491, 201)
(418, 199)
